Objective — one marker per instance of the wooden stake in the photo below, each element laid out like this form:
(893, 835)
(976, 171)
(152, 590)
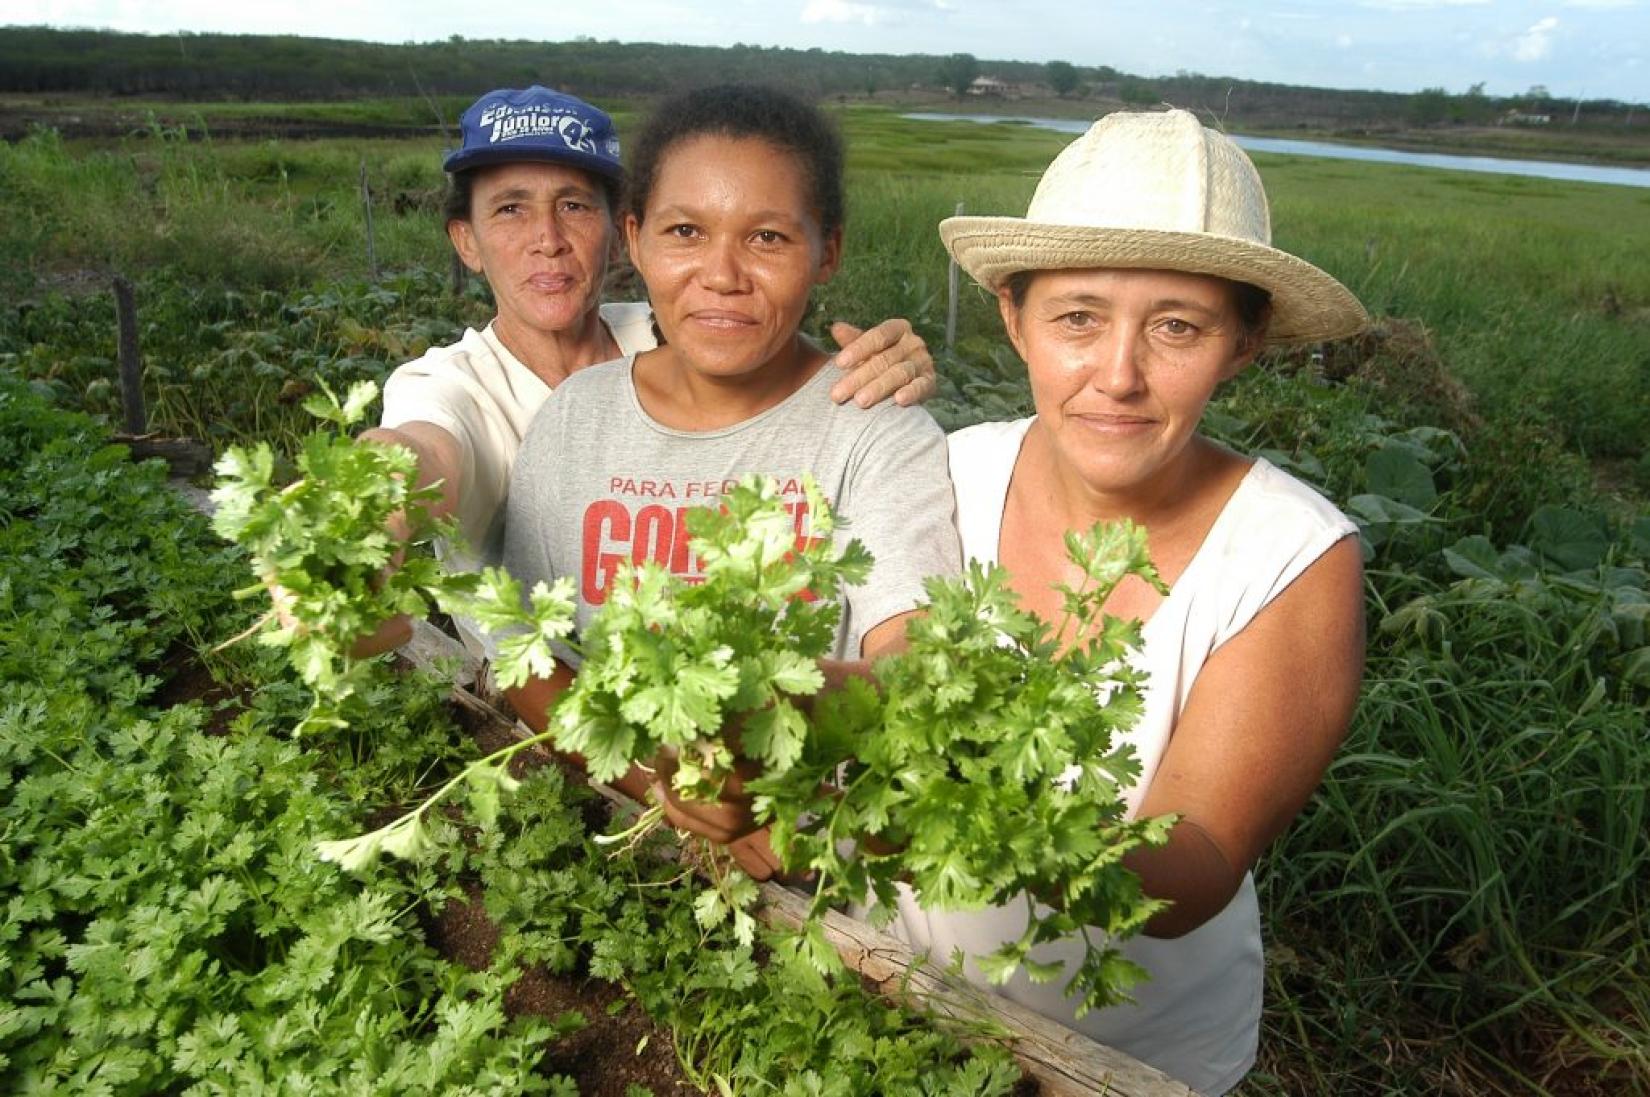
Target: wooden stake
(366, 206)
(131, 366)
(952, 288)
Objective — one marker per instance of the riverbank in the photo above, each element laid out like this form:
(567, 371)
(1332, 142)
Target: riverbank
(1583, 143)
(85, 116)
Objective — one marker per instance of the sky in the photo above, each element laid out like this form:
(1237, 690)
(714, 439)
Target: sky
(1590, 49)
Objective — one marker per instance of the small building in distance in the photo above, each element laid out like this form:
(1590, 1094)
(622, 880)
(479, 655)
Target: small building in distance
(992, 88)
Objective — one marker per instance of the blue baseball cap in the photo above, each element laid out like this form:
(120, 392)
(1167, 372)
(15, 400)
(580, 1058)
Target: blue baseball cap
(507, 126)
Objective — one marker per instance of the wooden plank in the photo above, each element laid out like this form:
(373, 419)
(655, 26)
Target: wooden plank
(185, 457)
(1064, 1062)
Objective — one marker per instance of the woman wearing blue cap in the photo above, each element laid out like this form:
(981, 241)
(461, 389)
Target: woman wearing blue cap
(532, 196)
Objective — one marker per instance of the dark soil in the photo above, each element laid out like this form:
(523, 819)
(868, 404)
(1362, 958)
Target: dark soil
(185, 679)
(618, 1047)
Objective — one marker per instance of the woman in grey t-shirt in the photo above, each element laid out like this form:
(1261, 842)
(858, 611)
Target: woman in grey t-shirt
(734, 215)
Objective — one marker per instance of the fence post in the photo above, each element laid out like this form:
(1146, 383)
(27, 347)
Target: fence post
(366, 206)
(131, 366)
(952, 287)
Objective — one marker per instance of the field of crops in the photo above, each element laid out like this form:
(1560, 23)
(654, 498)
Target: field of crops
(1460, 910)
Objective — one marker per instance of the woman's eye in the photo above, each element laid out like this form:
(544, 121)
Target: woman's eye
(1176, 326)
(1079, 320)
(681, 232)
(768, 236)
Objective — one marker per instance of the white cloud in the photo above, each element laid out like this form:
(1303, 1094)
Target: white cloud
(1344, 41)
(841, 11)
(1602, 5)
(1535, 43)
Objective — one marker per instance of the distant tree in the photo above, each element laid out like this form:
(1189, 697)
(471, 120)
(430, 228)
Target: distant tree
(1429, 106)
(959, 72)
(1476, 91)
(1062, 77)
(1133, 91)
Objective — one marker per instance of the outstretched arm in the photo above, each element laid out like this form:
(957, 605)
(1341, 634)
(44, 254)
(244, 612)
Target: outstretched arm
(440, 461)
(888, 360)
(1262, 723)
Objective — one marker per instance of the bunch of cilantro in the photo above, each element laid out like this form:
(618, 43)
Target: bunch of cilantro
(708, 673)
(984, 769)
(324, 541)
(325, 545)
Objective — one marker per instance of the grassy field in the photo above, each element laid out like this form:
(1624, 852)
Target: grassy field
(1461, 908)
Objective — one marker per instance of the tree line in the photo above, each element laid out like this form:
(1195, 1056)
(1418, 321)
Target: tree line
(287, 67)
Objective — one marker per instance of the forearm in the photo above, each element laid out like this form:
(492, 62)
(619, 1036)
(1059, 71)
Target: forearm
(533, 702)
(439, 462)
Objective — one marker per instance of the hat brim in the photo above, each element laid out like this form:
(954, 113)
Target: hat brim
(1308, 305)
(464, 159)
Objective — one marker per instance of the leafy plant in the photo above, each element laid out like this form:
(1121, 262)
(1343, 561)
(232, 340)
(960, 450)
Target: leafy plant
(987, 772)
(324, 545)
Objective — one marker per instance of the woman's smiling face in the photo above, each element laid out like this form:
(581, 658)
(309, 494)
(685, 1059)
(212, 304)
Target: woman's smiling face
(730, 247)
(1122, 363)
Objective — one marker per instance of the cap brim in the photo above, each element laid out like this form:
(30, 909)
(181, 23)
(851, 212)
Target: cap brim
(1308, 305)
(463, 159)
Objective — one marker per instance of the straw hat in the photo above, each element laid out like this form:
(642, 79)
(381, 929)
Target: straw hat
(1157, 191)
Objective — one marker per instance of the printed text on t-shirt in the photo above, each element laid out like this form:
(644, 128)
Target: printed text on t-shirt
(625, 527)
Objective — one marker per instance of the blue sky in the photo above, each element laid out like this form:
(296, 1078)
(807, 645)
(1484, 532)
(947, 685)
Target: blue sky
(1594, 49)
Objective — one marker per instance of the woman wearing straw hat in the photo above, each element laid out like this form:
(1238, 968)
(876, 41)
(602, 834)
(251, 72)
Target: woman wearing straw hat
(1141, 278)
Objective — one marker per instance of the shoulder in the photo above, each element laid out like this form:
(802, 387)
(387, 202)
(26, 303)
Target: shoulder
(589, 381)
(470, 357)
(987, 443)
(631, 325)
(447, 386)
(1274, 532)
(883, 423)
(1271, 506)
(600, 384)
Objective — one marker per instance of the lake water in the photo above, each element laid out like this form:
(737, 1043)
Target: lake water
(1542, 169)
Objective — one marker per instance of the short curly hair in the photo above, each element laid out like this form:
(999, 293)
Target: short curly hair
(751, 111)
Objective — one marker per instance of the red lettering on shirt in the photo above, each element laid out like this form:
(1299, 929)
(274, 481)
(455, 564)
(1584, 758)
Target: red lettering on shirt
(603, 518)
(614, 532)
(654, 525)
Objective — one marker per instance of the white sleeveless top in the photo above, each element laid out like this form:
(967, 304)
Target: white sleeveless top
(1198, 1017)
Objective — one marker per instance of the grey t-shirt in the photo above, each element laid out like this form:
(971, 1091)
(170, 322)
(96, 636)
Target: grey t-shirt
(598, 481)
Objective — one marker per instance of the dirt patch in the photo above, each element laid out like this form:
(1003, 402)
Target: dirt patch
(618, 1047)
(185, 679)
